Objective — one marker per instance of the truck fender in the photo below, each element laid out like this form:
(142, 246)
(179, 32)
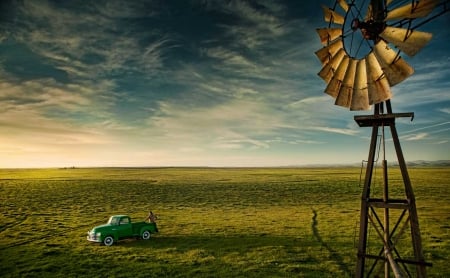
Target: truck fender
(115, 235)
(143, 229)
(147, 232)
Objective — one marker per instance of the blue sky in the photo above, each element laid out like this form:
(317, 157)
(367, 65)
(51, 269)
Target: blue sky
(193, 83)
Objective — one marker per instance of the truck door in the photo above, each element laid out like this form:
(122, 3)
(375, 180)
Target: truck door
(124, 228)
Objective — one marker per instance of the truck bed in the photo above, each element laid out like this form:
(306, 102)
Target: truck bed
(137, 226)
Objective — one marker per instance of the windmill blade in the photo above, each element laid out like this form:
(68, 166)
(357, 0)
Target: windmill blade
(377, 83)
(408, 41)
(332, 16)
(394, 67)
(328, 34)
(327, 72)
(360, 98)
(344, 97)
(369, 13)
(326, 53)
(414, 9)
(343, 5)
(335, 83)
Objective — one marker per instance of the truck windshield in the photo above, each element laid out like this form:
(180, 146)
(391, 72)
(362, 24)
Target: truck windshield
(113, 220)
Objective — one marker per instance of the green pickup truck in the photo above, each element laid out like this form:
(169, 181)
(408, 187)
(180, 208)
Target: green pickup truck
(120, 227)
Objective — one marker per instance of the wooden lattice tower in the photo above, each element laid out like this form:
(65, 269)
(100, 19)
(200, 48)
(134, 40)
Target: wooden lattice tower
(387, 231)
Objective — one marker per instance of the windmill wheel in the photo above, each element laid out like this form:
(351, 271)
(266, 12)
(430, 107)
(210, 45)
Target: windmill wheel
(362, 46)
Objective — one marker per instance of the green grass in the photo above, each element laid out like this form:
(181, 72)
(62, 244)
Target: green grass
(213, 222)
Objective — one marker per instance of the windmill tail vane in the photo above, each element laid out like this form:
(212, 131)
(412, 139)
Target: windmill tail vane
(362, 44)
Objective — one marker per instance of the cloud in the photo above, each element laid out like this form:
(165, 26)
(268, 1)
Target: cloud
(28, 133)
(233, 124)
(431, 127)
(256, 23)
(50, 124)
(445, 110)
(39, 94)
(343, 131)
(437, 132)
(90, 40)
(309, 101)
(127, 9)
(415, 137)
(45, 118)
(46, 95)
(230, 58)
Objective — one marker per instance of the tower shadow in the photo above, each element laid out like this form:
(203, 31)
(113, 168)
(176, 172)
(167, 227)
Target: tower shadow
(334, 254)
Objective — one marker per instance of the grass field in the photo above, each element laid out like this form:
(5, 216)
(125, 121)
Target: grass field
(213, 222)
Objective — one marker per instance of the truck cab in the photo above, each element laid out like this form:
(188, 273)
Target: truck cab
(121, 224)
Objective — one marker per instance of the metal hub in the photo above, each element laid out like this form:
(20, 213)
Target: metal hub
(370, 29)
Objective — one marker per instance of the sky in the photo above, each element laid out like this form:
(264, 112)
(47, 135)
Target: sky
(193, 83)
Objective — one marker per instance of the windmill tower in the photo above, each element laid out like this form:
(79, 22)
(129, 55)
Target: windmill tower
(361, 62)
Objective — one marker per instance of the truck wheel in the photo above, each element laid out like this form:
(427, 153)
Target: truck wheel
(108, 241)
(146, 235)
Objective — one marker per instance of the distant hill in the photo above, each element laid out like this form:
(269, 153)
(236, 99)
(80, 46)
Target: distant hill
(415, 163)
(425, 163)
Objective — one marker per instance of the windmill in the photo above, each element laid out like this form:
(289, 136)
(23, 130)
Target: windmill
(361, 61)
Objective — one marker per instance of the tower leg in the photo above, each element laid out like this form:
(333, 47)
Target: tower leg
(413, 217)
(363, 221)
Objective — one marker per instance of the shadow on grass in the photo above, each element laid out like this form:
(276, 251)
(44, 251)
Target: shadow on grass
(333, 253)
(245, 255)
(216, 242)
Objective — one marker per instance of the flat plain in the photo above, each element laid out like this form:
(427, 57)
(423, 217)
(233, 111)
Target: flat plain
(213, 222)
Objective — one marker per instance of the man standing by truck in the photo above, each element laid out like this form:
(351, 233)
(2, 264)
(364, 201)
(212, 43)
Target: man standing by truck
(151, 217)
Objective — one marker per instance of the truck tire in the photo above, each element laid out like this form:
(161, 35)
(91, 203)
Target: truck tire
(146, 235)
(108, 241)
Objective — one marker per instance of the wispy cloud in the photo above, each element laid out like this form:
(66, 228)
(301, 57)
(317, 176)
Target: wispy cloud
(441, 142)
(47, 95)
(431, 127)
(445, 110)
(232, 124)
(90, 42)
(415, 137)
(343, 131)
(255, 25)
